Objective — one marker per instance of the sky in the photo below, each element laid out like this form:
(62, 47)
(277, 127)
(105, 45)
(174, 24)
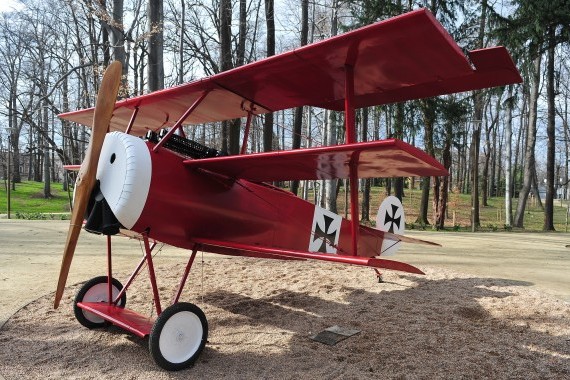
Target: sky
(8, 5)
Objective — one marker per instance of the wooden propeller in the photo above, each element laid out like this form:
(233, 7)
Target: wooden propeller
(86, 177)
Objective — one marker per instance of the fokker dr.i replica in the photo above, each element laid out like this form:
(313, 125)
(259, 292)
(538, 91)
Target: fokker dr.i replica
(142, 177)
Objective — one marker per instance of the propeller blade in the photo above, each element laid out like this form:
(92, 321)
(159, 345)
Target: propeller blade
(86, 177)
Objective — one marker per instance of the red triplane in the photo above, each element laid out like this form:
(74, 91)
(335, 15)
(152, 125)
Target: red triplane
(140, 177)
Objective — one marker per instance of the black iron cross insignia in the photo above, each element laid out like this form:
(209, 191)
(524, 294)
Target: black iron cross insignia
(324, 235)
(390, 219)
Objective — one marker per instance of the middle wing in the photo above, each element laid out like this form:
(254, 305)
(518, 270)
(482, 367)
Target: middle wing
(384, 158)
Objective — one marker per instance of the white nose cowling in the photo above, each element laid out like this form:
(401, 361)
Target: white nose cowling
(124, 173)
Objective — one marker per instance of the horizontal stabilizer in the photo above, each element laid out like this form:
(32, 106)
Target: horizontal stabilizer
(384, 158)
(396, 237)
(344, 259)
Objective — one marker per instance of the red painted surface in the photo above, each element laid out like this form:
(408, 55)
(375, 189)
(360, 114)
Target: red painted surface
(344, 259)
(406, 57)
(129, 320)
(188, 204)
(151, 274)
(384, 158)
(185, 204)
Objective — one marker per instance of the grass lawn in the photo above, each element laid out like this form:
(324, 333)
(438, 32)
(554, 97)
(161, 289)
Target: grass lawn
(492, 217)
(27, 202)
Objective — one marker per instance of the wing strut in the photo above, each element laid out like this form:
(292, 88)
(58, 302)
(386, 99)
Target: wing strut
(350, 130)
(181, 120)
(246, 132)
(132, 120)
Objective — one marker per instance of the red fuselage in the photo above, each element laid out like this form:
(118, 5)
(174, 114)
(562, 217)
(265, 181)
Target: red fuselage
(184, 205)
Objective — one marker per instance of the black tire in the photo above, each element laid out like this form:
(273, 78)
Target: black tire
(178, 336)
(95, 290)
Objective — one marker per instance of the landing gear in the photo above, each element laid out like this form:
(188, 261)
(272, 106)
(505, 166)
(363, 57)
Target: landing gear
(96, 290)
(178, 336)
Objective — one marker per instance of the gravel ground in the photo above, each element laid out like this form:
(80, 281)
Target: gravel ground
(261, 314)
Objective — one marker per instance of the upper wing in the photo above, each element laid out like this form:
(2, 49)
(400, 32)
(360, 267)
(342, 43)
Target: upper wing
(406, 57)
(384, 158)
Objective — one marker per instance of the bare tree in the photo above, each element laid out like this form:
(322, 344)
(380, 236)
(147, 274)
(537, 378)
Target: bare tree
(478, 110)
(155, 45)
(508, 157)
(298, 121)
(268, 121)
(529, 159)
(490, 130)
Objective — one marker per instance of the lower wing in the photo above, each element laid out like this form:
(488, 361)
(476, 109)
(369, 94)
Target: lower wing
(239, 249)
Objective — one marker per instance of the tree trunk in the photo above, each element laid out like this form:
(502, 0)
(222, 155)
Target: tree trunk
(298, 121)
(487, 173)
(14, 132)
(508, 159)
(496, 162)
(235, 124)
(118, 39)
(476, 136)
(475, 146)
(534, 188)
(155, 45)
(529, 160)
(399, 134)
(331, 184)
(523, 129)
(47, 158)
(428, 114)
(226, 64)
(436, 186)
(181, 41)
(443, 190)
(550, 132)
(106, 46)
(565, 126)
(268, 121)
(242, 33)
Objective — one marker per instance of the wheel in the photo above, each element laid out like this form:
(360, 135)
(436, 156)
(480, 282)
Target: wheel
(178, 336)
(96, 290)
